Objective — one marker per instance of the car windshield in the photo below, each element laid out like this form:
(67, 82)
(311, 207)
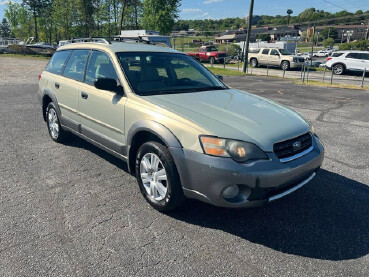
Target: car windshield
(284, 52)
(166, 73)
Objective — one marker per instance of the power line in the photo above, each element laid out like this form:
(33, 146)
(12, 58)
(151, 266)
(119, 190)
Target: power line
(334, 5)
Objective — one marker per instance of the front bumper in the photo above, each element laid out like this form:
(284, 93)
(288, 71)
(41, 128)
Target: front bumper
(205, 177)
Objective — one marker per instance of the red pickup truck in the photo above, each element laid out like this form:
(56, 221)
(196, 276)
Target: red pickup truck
(209, 53)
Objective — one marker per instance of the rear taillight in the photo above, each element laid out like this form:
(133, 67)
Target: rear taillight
(328, 59)
(39, 77)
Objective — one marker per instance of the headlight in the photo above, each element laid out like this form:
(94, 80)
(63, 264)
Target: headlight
(295, 60)
(239, 151)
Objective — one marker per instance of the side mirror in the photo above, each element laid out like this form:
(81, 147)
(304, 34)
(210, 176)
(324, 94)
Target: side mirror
(108, 84)
(220, 77)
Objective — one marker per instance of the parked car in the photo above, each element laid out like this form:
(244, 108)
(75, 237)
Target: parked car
(343, 61)
(314, 64)
(181, 130)
(275, 57)
(209, 53)
(321, 53)
(306, 56)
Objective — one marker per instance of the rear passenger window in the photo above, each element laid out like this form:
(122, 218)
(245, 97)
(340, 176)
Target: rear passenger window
(100, 66)
(274, 52)
(265, 51)
(75, 68)
(353, 56)
(58, 61)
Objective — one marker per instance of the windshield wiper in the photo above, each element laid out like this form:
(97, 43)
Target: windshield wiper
(189, 90)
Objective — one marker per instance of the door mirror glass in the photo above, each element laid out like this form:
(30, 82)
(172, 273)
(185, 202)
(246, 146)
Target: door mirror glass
(108, 84)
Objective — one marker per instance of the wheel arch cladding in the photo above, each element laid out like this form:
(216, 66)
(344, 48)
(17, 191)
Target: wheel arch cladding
(144, 131)
(49, 96)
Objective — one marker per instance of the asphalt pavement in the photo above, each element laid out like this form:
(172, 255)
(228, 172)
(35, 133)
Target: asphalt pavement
(73, 210)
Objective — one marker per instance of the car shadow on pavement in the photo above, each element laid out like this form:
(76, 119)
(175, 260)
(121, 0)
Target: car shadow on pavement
(327, 219)
(76, 141)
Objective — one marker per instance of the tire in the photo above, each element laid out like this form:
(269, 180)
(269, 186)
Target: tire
(254, 63)
(338, 69)
(285, 65)
(56, 132)
(163, 191)
(212, 60)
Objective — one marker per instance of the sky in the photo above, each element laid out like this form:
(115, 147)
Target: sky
(216, 9)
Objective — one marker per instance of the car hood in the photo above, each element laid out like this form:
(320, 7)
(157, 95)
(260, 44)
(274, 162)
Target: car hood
(235, 114)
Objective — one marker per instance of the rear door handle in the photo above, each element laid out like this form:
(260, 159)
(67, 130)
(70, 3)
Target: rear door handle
(84, 95)
(57, 85)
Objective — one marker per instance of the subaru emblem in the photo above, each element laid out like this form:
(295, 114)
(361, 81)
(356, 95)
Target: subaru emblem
(296, 145)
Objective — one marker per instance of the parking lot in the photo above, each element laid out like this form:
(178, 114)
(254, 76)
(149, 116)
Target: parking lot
(73, 210)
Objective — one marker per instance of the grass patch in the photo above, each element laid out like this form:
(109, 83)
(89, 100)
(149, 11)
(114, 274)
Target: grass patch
(334, 85)
(225, 72)
(308, 49)
(23, 56)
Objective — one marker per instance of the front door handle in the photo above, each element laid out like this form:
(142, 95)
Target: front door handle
(57, 85)
(84, 95)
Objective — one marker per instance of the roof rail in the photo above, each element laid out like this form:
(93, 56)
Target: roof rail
(131, 39)
(90, 39)
(139, 39)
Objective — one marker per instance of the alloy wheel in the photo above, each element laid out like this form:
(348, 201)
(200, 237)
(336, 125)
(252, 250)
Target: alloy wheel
(53, 123)
(153, 176)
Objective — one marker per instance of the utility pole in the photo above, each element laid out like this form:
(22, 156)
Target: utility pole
(312, 46)
(245, 64)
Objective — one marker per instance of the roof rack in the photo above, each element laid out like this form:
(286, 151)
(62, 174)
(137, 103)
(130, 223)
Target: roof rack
(109, 40)
(90, 39)
(139, 39)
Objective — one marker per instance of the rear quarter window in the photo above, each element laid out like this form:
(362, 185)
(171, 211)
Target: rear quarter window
(336, 55)
(58, 61)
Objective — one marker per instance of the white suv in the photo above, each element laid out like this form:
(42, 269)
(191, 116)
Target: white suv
(342, 61)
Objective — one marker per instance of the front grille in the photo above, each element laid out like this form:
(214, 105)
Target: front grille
(222, 55)
(301, 60)
(292, 147)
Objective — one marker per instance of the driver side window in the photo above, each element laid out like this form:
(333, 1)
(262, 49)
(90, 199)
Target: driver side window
(100, 66)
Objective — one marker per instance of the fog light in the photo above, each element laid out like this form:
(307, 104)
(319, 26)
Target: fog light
(231, 192)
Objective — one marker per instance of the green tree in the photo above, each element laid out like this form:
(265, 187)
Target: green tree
(160, 15)
(345, 46)
(36, 7)
(264, 37)
(231, 49)
(361, 45)
(20, 19)
(289, 12)
(329, 32)
(85, 11)
(328, 42)
(5, 29)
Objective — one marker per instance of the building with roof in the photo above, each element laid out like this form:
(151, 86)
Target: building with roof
(345, 32)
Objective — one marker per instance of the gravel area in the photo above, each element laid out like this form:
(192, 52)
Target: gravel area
(22, 70)
(73, 210)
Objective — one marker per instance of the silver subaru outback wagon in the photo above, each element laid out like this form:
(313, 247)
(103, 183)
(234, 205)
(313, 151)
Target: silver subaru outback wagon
(181, 130)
